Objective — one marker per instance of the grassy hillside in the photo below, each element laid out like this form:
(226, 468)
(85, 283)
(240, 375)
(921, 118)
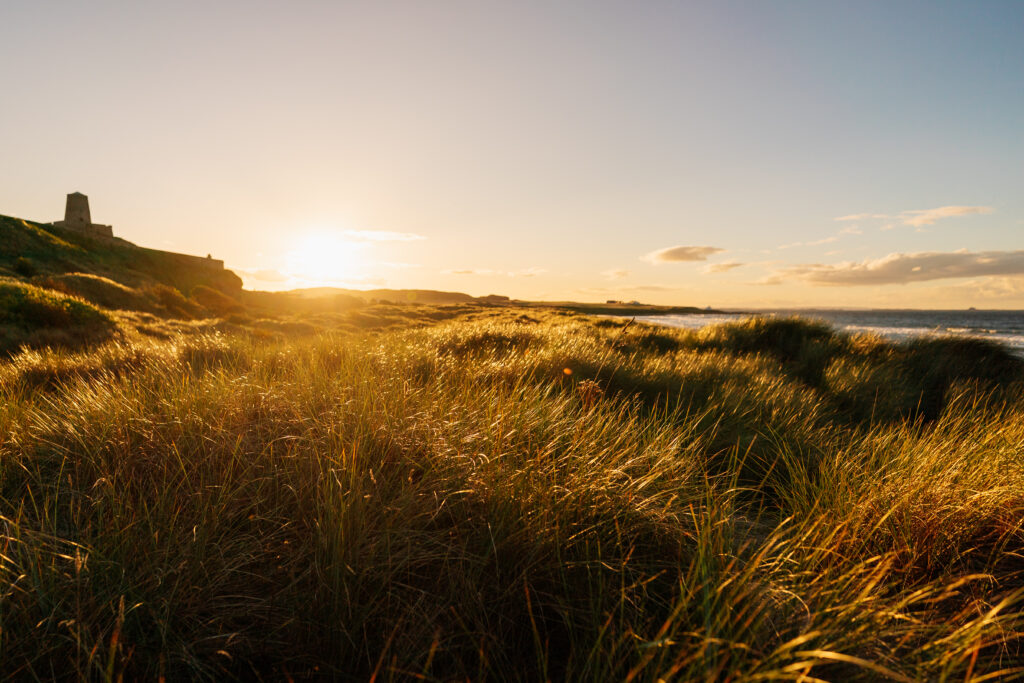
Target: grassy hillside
(29, 249)
(38, 317)
(514, 497)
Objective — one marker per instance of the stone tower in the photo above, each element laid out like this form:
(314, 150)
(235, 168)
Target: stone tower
(76, 212)
(78, 218)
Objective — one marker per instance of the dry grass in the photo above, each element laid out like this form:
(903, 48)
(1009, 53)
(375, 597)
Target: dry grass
(512, 498)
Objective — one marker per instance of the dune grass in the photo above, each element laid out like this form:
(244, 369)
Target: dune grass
(510, 497)
(34, 316)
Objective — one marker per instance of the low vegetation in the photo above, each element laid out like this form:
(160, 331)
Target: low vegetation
(34, 316)
(464, 492)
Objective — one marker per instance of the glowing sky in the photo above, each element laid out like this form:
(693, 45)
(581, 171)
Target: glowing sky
(717, 153)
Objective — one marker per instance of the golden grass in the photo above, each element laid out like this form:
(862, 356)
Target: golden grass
(448, 502)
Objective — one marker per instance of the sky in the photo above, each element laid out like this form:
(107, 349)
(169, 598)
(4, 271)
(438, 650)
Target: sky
(726, 154)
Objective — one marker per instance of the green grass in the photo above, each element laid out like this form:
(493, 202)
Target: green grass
(501, 496)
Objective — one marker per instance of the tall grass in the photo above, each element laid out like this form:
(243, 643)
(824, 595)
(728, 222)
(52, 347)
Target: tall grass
(33, 316)
(513, 499)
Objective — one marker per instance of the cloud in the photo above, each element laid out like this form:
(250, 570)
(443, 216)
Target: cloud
(904, 268)
(382, 236)
(678, 254)
(398, 264)
(848, 230)
(861, 216)
(525, 272)
(1000, 288)
(929, 216)
(615, 273)
(919, 217)
(470, 271)
(722, 267)
(815, 243)
(263, 274)
(650, 288)
(604, 291)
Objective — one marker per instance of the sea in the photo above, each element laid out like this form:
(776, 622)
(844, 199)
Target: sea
(1005, 327)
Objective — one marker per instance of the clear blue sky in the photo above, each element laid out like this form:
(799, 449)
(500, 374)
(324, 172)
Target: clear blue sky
(676, 152)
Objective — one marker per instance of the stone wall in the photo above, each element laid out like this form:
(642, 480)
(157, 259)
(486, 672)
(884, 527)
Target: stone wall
(189, 259)
(92, 229)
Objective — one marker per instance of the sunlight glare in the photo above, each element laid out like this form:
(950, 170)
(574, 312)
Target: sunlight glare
(324, 258)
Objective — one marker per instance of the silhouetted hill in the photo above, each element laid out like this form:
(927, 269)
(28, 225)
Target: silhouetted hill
(36, 250)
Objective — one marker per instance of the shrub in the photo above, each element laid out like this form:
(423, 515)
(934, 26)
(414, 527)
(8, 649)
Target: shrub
(25, 267)
(805, 347)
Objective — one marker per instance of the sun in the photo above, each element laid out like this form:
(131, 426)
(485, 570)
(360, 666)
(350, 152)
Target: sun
(325, 258)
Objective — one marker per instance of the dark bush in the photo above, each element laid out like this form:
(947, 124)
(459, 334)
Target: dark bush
(25, 267)
(933, 364)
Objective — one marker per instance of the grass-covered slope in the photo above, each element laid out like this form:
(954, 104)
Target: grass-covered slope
(34, 317)
(514, 498)
(53, 279)
(29, 249)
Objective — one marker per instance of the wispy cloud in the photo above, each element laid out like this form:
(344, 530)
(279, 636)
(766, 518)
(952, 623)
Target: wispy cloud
(398, 264)
(929, 216)
(382, 236)
(650, 288)
(843, 232)
(814, 243)
(862, 217)
(615, 273)
(470, 271)
(262, 274)
(678, 254)
(605, 291)
(275, 278)
(1000, 288)
(525, 272)
(917, 218)
(904, 268)
(722, 267)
